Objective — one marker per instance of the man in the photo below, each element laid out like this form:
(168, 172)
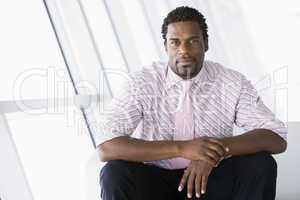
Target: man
(188, 107)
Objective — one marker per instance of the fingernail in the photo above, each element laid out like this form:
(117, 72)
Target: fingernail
(189, 195)
(179, 188)
(202, 191)
(197, 195)
(227, 149)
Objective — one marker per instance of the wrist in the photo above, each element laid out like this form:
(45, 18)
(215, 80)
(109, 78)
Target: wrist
(179, 146)
(227, 143)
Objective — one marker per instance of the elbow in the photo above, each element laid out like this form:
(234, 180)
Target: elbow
(103, 153)
(110, 150)
(283, 145)
(277, 143)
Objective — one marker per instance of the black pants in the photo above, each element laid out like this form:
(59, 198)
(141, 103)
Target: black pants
(250, 177)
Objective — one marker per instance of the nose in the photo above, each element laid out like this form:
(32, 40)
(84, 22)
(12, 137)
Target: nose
(183, 48)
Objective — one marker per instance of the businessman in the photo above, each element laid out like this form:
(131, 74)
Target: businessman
(186, 110)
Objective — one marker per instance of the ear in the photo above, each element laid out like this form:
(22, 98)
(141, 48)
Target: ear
(165, 45)
(206, 45)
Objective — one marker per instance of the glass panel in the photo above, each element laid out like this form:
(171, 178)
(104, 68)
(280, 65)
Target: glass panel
(278, 54)
(104, 35)
(30, 54)
(141, 31)
(106, 42)
(54, 150)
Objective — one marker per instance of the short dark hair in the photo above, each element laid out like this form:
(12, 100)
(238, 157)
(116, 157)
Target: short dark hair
(181, 14)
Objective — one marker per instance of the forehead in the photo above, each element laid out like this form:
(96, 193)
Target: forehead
(183, 29)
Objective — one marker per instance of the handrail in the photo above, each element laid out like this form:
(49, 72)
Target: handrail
(79, 101)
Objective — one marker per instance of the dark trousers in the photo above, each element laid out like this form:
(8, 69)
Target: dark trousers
(250, 177)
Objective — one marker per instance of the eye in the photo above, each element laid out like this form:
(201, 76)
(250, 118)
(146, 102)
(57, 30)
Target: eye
(195, 41)
(174, 43)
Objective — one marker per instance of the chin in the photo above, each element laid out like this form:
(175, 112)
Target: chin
(187, 70)
(186, 75)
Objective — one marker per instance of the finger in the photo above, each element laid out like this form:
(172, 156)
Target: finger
(218, 162)
(183, 180)
(217, 148)
(198, 186)
(215, 145)
(213, 155)
(224, 147)
(203, 184)
(208, 159)
(190, 184)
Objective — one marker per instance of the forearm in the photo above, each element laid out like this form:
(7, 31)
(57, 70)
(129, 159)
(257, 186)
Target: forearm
(255, 141)
(126, 148)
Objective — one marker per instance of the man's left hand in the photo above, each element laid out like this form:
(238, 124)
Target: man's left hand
(195, 176)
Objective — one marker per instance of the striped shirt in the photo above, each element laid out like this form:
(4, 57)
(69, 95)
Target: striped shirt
(221, 98)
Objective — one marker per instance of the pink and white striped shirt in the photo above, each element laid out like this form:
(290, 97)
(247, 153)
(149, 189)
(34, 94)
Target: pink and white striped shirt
(221, 98)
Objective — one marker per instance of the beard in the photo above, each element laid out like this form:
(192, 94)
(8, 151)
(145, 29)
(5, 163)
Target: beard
(185, 71)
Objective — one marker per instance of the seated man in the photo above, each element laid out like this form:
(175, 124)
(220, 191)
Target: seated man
(187, 109)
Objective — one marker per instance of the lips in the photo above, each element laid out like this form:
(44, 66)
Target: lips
(185, 61)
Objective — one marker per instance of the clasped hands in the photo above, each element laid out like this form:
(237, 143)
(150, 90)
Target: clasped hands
(204, 153)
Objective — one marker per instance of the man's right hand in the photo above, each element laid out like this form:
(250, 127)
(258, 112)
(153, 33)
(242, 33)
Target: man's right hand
(206, 149)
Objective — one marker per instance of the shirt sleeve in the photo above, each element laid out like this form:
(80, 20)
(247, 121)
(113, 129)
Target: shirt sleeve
(251, 112)
(123, 114)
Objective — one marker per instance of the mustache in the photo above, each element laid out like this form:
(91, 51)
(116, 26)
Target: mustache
(185, 59)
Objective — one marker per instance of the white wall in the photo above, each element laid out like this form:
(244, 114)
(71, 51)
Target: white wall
(53, 144)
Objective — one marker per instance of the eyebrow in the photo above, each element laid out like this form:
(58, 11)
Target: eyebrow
(192, 37)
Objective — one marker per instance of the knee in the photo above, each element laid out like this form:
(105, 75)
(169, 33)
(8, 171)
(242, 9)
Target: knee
(266, 162)
(261, 164)
(112, 173)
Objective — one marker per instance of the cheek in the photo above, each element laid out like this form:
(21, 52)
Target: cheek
(198, 54)
(172, 54)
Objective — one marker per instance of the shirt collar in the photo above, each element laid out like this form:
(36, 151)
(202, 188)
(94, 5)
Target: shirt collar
(173, 79)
